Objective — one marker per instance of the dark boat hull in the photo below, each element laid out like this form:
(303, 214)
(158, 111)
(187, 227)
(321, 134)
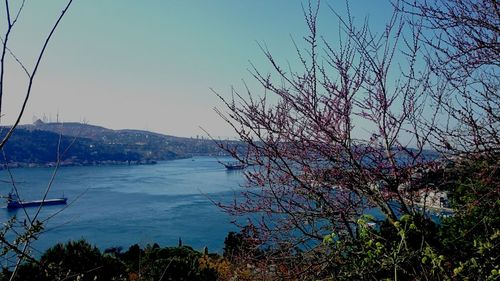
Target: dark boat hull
(36, 203)
(235, 167)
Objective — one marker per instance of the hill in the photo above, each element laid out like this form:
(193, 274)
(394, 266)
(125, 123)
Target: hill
(85, 144)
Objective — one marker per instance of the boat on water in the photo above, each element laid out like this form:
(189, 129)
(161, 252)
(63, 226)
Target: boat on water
(234, 165)
(13, 202)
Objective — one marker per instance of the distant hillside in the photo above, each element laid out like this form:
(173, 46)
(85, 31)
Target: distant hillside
(38, 147)
(37, 144)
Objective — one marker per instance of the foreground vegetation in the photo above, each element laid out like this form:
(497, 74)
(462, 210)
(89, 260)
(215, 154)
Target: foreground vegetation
(79, 260)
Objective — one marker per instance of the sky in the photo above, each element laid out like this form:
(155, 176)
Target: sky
(150, 64)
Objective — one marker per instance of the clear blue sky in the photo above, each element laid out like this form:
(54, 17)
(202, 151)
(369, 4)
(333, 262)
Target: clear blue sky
(150, 64)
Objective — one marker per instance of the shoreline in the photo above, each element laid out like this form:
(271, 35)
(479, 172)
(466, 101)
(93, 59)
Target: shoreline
(85, 164)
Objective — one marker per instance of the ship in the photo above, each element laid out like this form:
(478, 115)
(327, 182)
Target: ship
(234, 165)
(13, 202)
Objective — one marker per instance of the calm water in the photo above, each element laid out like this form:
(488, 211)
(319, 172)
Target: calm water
(123, 205)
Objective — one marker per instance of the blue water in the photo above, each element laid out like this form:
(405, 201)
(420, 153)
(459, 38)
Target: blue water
(122, 205)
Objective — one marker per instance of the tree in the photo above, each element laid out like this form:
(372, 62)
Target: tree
(462, 48)
(78, 260)
(75, 260)
(347, 134)
(15, 237)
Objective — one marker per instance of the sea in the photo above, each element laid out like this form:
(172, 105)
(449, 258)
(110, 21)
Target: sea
(118, 206)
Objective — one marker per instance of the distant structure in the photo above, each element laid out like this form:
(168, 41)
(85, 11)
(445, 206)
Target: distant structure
(46, 119)
(38, 122)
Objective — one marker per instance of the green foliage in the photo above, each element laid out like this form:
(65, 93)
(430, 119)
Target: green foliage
(464, 246)
(75, 260)
(132, 258)
(393, 250)
(237, 244)
(78, 260)
(172, 263)
(472, 235)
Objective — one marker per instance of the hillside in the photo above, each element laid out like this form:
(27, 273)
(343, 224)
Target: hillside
(37, 144)
(135, 138)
